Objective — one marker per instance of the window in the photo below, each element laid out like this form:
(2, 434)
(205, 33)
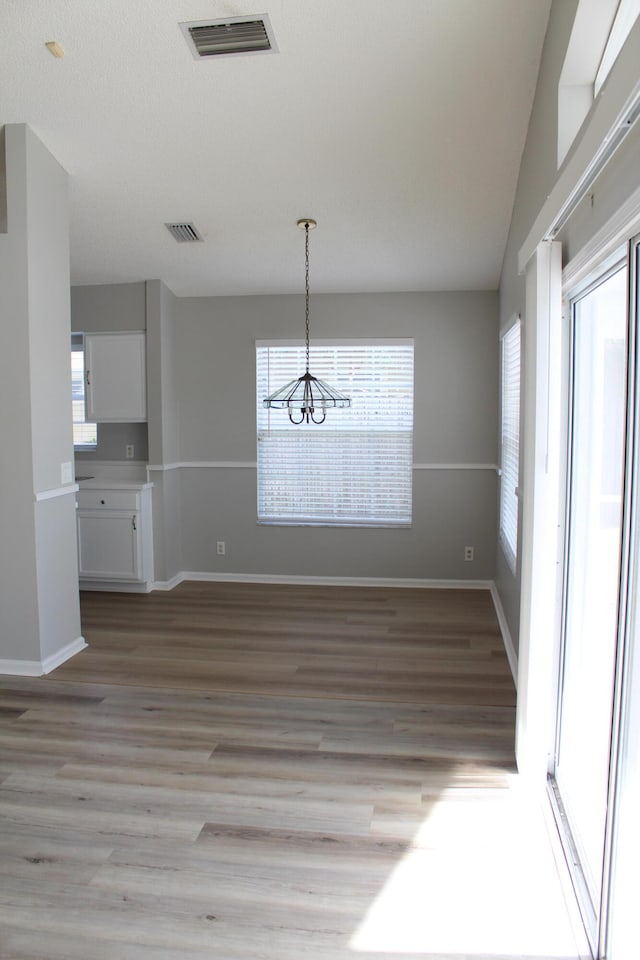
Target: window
(594, 571)
(600, 29)
(356, 468)
(85, 435)
(510, 442)
(626, 15)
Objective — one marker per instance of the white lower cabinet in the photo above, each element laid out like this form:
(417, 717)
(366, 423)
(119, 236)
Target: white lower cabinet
(115, 549)
(108, 545)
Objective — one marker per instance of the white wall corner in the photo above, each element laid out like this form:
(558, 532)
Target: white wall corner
(61, 656)
(169, 584)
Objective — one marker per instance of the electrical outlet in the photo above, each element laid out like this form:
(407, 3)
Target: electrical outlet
(221, 548)
(468, 553)
(129, 451)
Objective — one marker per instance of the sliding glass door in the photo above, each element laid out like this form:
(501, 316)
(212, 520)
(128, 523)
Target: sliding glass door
(594, 562)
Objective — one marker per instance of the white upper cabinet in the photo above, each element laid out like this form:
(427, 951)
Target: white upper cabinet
(115, 374)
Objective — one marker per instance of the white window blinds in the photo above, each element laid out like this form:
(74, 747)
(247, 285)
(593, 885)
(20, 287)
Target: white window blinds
(356, 467)
(510, 442)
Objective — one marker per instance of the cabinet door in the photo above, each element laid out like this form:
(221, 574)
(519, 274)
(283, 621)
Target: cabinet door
(109, 545)
(116, 386)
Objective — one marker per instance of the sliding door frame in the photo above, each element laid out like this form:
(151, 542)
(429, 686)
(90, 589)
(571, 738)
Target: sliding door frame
(596, 915)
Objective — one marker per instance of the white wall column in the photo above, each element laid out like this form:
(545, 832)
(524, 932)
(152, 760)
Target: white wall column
(39, 606)
(541, 491)
(163, 433)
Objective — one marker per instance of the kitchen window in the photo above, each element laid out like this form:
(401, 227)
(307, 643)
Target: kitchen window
(85, 434)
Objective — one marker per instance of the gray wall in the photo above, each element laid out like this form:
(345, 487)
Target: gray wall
(455, 365)
(537, 675)
(113, 439)
(538, 175)
(163, 425)
(163, 431)
(100, 308)
(456, 394)
(618, 179)
(19, 634)
(116, 306)
(201, 395)
(38, 561)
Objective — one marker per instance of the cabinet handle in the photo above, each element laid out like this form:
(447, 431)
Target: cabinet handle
(88, 379)
(133, 523)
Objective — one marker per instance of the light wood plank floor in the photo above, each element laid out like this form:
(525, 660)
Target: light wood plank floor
(261, 772)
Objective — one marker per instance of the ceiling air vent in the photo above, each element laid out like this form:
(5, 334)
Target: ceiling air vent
(223, 38)
(183, 232)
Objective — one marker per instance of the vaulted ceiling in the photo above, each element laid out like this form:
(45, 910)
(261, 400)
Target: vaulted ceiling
(398, 126)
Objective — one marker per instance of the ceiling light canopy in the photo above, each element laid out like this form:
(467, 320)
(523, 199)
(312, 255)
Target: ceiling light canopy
(306, 399)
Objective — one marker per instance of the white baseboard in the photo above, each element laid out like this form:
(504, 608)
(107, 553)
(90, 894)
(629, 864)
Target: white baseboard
(117, 586)
(215, 577)
(507, 639)
(168, 584)
(21, 668)
(61, 656)
(37, 668)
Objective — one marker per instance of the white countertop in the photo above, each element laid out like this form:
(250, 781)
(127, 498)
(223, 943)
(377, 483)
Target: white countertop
(104, 483)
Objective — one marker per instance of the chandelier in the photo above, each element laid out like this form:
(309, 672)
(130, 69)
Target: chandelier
(307, 398)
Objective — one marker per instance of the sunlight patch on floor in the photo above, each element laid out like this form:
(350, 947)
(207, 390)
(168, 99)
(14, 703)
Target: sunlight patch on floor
(478, 880)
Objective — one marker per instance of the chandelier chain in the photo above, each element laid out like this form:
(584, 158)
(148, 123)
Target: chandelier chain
(306, 287)
(306, 399)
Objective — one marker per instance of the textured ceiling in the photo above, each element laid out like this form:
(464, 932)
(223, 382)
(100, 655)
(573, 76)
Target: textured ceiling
(398, 126)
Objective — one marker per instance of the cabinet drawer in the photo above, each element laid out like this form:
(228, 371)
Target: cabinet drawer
(107, 499)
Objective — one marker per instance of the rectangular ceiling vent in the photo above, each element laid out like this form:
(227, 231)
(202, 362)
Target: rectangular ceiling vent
(183, 232)
(224, 38)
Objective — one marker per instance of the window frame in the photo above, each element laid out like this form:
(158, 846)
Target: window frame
(385, 444)
(510, 401)
(77, 347)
